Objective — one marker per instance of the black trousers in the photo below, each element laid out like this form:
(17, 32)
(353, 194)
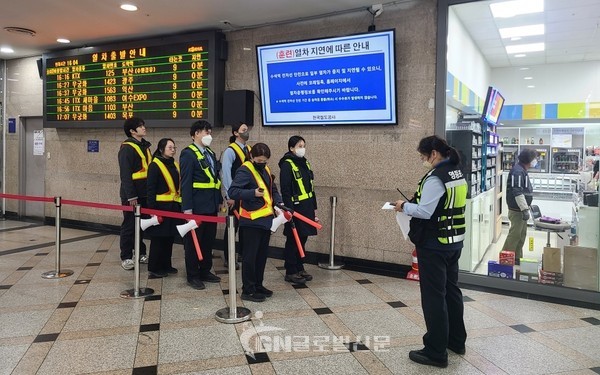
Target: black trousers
(293, 263)
(238, 245)
(254, 260)
(206, 234)
(127, 239)
(161, 249)
(441, 300)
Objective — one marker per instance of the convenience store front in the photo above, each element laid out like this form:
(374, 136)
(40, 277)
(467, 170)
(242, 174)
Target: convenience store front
(550, 105)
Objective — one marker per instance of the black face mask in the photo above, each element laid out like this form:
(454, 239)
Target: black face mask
(259, 166)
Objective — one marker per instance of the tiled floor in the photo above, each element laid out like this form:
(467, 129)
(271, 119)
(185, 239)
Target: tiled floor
(343, 322)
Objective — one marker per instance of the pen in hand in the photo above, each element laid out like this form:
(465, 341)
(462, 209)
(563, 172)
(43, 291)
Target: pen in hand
(405, 197)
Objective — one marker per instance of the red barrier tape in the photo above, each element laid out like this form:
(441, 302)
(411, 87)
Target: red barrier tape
(176, 215)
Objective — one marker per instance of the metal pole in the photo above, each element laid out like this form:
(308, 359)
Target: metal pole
(137, 292)
(57, 274)
(232, 314)
(332, 265)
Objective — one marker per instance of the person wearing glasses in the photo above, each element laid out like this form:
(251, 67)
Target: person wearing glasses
(134, 158)
(163, 194)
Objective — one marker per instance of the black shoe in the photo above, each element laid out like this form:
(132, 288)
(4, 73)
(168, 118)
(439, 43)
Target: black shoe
(295, 279)
(172, 270)
(262, 290)
(210, 278)
(196, 284)
(459, 351)
(306, 276)
(254, 297)
(157, 274)
(420, 357)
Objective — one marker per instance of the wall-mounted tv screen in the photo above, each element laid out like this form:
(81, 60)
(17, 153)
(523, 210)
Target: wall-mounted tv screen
(346, 80)
(169, 82)
(494, 102)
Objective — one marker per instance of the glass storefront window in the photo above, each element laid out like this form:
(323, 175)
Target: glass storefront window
(550, 108)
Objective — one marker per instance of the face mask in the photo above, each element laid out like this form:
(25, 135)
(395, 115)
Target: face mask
(206, 140)
(533, 163)
(259, 166)
(300, 152)
(245, 136)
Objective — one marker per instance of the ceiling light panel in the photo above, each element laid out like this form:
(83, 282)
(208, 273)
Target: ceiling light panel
(513, 8)
(523, 48)
(129, 7)
(521, 31)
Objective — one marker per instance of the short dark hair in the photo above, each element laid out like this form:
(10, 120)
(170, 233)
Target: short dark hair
(293, 141)
(260, 149)
(132, 123)
(527, 155)
(199, 126)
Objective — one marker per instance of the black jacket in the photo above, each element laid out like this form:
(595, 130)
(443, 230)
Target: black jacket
(200, 201)
(243, 187)
(518, 183)
(289, 188)
(158, 185)
(129, 163)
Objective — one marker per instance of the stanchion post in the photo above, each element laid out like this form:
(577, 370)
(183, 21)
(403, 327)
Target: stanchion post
(137, 292)
(332, 265)
(232, 314)
(57, 273)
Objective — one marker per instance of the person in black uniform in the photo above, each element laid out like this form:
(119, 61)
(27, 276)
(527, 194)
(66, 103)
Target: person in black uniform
(201, 195)
(437, 229)
(134, 158)
(163, 194)
(297, 190)
(519, 195)
(255, 187)
(233, 157)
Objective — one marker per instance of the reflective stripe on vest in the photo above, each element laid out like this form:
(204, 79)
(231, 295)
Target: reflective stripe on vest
(451, 223)
(142, 173)
(172, 195)
(211, 180)
(298, 177)
(267, 209)
(238, 150)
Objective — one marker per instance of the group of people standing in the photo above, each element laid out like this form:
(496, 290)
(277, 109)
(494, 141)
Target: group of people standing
(201, 184)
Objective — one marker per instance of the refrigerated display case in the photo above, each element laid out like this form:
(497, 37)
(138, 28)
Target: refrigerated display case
(566, 160)
(543, 158)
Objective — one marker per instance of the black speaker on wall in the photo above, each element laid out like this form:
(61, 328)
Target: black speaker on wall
(238, 106)
(40, 66)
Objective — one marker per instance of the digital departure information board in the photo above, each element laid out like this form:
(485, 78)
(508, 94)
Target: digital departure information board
(169, 82)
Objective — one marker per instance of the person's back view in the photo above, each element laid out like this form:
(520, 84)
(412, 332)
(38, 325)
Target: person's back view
(134, 158)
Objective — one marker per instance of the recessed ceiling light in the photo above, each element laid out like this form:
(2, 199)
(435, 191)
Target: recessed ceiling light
(527, 78)
(524, 68)
(515, 38)
(513, 8)
(520, 55)
(129, 7)
(63, 40)
(7, 50)
(531, 87)
(518, 32)
(522, 48)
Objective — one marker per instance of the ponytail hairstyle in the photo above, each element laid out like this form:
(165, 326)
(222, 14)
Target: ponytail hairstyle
(235, 128)
(160, 149)
(428, 144)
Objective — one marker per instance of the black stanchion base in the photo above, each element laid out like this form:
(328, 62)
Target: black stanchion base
(242, 314)
(141, 293)
(56, 275)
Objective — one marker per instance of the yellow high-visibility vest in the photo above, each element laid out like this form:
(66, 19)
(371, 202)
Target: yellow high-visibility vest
(298, 177)
(142, 173)
(211, 184)
(267, 208)
(173, 195)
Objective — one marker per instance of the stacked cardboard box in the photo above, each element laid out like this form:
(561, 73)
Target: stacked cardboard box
(551, 260)
(581, 267)
(528, 270)
(553, 278)
(500, 270)
(507, 257)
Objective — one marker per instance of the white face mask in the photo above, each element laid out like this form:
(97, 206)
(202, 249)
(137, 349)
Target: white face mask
(533, 163)
(206, 140)
(300, 152)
